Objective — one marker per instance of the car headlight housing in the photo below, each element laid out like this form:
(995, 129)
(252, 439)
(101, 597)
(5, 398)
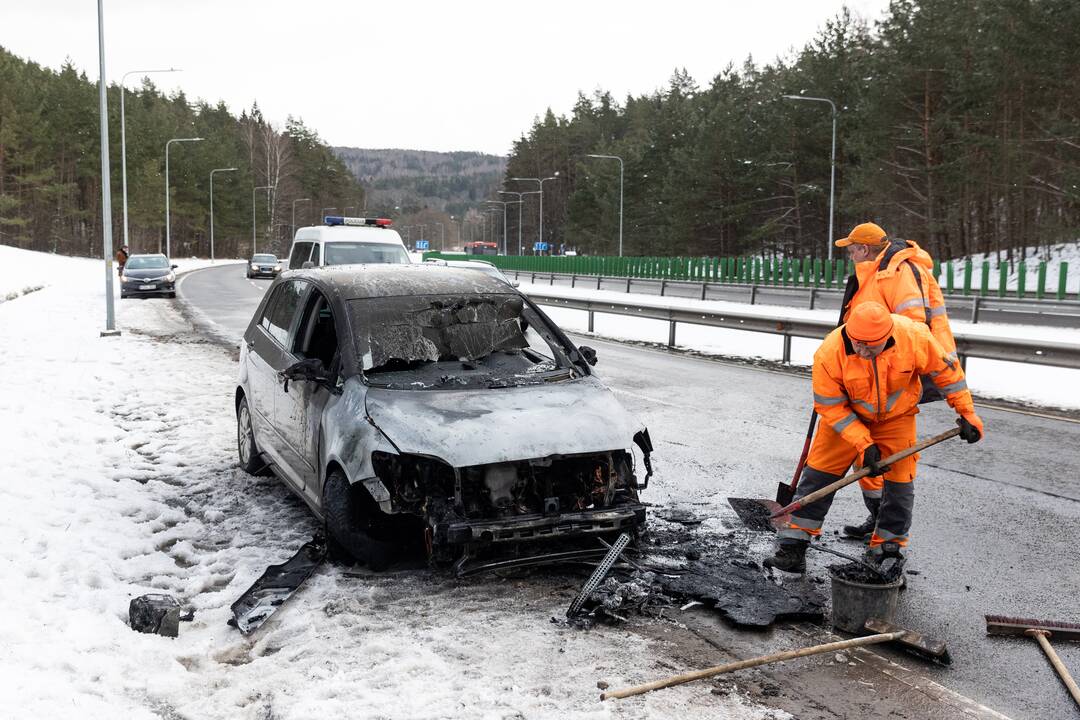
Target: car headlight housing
(170, 277)
(125, 278)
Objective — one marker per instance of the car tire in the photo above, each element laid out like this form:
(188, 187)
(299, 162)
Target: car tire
(355, 526)
(251, 460)
(172, 294)
(123, 296)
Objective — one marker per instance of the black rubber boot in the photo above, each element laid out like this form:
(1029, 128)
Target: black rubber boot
(790, 557)
(866, 529)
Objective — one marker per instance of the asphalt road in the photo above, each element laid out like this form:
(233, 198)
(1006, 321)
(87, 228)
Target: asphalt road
(996, 524)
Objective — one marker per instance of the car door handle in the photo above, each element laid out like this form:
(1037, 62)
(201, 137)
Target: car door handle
(250, 344)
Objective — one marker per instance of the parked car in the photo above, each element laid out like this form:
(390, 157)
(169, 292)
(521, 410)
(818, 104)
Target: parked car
(263, 265)
(479, 265)
(146, 275)
(347, 241)
(434, 406)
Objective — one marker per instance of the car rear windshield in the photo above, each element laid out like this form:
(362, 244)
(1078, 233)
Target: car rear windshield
(147, 263)
(438, 342)
(348, 253)
(264, 259)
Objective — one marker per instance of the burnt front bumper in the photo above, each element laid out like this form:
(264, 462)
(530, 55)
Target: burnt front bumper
(525, 528)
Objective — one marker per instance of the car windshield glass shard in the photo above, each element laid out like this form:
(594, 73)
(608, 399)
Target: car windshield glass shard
(442, 341)
(264, 259)
(147, 263)
(349, 253)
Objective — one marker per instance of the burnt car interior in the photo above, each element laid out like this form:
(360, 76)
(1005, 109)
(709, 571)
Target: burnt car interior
(445, 341)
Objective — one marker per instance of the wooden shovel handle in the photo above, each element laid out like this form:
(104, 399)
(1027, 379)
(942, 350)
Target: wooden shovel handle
(859, 474)
(754, 662)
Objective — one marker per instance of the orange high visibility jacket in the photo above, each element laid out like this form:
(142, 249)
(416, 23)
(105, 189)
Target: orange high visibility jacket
(891, 280)
(850, 392)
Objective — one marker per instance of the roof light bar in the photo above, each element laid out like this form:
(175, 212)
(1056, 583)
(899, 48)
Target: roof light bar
(356, 221)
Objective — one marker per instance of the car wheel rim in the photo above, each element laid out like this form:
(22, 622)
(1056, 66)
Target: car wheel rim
(243, 433)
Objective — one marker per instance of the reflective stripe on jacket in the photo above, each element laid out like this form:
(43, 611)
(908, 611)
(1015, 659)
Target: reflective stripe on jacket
(890, 280)
(850, 392)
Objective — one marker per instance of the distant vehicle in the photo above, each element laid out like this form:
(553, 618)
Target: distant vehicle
(480, 265)
(146, 275)
(480, 247)
(347, 241)
(402, 404)
(263, 265)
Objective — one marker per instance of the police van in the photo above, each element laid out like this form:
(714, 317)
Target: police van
(346, 241)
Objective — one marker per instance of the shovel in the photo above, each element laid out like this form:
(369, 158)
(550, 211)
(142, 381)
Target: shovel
(762, 514)
(785, 492)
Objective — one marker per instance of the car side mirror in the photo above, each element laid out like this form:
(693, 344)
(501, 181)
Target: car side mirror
(307, 264)
(587, 354)
(515, 284)
(309, 369)
(174, 266)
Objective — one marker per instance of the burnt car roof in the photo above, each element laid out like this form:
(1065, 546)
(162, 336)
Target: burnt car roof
(354, 282)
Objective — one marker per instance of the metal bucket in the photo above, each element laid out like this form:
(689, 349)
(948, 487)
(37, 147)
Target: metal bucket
(853, 603)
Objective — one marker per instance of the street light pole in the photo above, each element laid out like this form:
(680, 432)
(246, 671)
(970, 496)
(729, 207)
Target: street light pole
(616, 157)
(504, 203)
(520, 203)
(106, 198)
(215, 170)
(168, 230)
(123, 139)
(540, 182)
(294, 212)
(832, 163)
(268, 188)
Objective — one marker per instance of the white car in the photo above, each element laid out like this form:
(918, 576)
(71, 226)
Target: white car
(480, 265)
(347, 241)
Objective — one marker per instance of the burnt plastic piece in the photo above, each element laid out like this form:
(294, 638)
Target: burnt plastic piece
(155, 613)
(276, 585)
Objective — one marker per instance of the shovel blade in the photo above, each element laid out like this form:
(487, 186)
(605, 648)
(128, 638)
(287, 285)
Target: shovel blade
(757, 514)
(784, 494)
(918, 644)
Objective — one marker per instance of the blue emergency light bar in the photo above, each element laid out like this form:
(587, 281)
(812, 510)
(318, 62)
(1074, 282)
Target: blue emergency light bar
(356, 221)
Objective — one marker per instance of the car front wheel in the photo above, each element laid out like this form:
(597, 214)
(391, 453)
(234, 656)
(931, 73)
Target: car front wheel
(357, 528)
(248, 451)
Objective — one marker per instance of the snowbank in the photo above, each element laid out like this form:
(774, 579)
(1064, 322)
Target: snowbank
(1064, 252)
(120, 479)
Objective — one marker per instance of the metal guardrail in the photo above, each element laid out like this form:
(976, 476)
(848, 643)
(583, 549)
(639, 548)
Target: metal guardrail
(1054, 354)
(1058, 313)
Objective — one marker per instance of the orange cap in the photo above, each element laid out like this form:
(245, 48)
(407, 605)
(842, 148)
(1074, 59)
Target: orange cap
(870, 323)
(865, 234)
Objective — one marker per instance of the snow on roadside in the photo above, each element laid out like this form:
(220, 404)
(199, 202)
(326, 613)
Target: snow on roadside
(1039, 385)
(1062, 252)
(120, 479)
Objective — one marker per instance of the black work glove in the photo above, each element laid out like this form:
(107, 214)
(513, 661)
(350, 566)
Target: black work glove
(968, 430)
(872, 459)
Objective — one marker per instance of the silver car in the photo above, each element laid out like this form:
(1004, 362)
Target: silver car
(433, 407)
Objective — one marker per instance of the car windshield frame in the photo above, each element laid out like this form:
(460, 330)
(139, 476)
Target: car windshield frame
(147, 262)
(363, 252)
(261, 258)
(456, 341)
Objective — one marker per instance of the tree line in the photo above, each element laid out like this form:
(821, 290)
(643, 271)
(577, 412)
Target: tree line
(50, 169)
(958, 126)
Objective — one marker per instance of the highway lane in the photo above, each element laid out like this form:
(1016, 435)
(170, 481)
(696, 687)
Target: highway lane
(996, 523)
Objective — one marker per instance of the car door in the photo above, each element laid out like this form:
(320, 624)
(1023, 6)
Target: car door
(299, 410)
(262, 354)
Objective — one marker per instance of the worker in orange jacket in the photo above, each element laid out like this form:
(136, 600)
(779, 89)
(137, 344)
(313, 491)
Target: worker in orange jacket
(899, 275)
(867, 390)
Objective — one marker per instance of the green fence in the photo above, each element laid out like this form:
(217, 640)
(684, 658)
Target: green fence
(955, 278)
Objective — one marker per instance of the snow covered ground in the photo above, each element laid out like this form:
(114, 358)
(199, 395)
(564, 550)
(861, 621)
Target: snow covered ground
(119, 479)
(1064, 252)
(1039, 385)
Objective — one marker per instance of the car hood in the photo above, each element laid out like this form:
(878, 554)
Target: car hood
(144, 273)
(477, 427)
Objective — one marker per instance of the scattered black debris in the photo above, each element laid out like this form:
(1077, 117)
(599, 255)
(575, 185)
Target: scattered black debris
(602, 685)
(188, 616)
(753, 513)
(680, 516)
(912, 572)
(858, 573)
(276, 585)
(155, 613)
(640, 595)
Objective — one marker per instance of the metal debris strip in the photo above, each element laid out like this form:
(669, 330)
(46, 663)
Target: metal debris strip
(276, 585)
(641, 594)
(598, 575)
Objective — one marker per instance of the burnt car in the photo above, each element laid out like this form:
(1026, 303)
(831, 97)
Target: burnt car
(435, 407)
(146, 275)
(263, 265)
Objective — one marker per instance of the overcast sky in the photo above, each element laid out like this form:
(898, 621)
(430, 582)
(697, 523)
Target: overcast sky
(466, 75)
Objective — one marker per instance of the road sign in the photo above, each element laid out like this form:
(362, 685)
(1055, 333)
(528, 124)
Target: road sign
(541, 247)
(422, 244)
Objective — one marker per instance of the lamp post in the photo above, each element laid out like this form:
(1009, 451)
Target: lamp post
(540, 182)
(421, 232)
(493, 213)
(294, 212)
(442, 236)
(504, 203)
(215, 170)
(123, 140)
(616, 157)
(269, 189)
(168, 229)
(832, 162)
(106, 198)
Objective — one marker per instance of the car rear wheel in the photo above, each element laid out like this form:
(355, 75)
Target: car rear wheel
(250, 460)
(355, 526)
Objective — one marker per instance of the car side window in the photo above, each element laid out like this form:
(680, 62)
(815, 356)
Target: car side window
(299, 256)
(286, 306)
(264, 321)
(315, 254)
(317, 337)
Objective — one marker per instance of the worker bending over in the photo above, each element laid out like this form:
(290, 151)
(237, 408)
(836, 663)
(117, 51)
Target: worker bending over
(867, 390)
(899, 275)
